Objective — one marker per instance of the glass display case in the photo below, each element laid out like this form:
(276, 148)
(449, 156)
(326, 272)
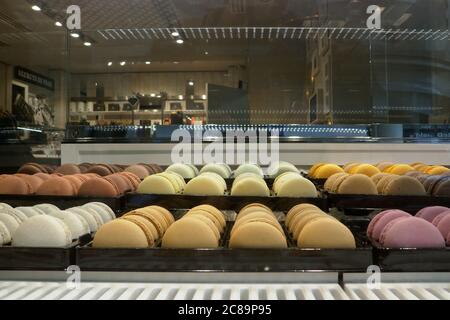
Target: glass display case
(101, 87)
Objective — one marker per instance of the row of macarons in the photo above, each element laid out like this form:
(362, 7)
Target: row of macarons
(83, 184)
(142, 170)
(429, 228)
(208, 183)
(326, 170)
(45, 225)
(379, 184)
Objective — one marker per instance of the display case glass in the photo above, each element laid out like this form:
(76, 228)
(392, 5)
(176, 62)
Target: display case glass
(238, 62)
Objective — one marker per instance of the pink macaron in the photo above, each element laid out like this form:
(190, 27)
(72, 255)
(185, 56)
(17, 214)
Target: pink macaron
(430, 213)
(442, 222)
(411, 233)
(378, 223)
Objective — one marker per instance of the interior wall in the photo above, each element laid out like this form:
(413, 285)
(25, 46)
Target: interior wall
(3, 86)
(120, 85)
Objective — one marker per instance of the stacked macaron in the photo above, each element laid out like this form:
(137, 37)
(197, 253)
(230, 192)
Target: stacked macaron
(141, 228)
(256, 226)
(201, 227)
(437, 185)
(250, 184)
(221, 169)
(208, 183)
(187, 171)
(398, 185)
(344, 183)
(87, 184)
(440, 218)
(45, 225)
(324, 170)
(248, 168)
(293, 184)
(398, 229)
(167, 182)
(313, 228)
(141, 170)
(278, 168)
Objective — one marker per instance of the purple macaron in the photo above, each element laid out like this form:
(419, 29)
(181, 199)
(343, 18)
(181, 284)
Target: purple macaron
(378, 223)
(411, 233)
(430, 213)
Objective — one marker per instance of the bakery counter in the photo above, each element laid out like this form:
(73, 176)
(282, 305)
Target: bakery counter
(299, 154)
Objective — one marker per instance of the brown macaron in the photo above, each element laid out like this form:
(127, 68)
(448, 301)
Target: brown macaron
(42, 176)
(121, 183)
(56, 186)
(12, 185)
(68, 169)
(442, 187)
(34, 181)
(98, 187)
(139, 170)
(132, 178)
(32, 168)
(100, 170)
(75, 181)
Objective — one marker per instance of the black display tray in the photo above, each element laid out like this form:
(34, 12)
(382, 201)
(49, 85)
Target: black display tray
(412, 260)
(224, 259)
(135, 200)
(407, 203)
(45, 259)
(63, 202)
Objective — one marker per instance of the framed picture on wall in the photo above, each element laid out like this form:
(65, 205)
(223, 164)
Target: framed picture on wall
(197, 105)
(175, 105)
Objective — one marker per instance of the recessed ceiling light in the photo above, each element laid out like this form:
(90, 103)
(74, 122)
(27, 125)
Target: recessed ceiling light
(158, 96)
(153, 95)
(87, 43)
(175, 34)
(110, 64)
(36, 8)
(191, 83)
(176, 62)
(123, 63)
(180, 41)
(147, 62)
(58, 24)
(206, 53)
(180, 97)
(204, 97)
(75, 35)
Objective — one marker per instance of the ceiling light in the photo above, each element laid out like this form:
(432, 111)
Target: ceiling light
(180, 41)
(204, 97)
(180, 97)
(176, 62)
(58, 24)
(87, 43)
(175, 34)
(75, 35)
(153, 95)
(123, 63)
(147, 62)
(36, 8)
(206, 53)
(159, 96)
(191, 83)
(110, 64)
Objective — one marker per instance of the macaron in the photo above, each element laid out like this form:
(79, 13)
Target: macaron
(248, 168)
(357, 184)
(384, 166)
(378, 223)
(165, 213)
(152, 216)
(430, 213)
(254, 208)
(295, 186)
(443, 225)
(220, 169)
(32, 168)
(68, 169)
(139, 170)
(326, 171)
(214, 211)
(122, 184)
(11, 222)
(74, 223)
(411, 232)
(298, 210)
(5, 235)
(100, 170)
(442, 187)
(437, 170)
(56, 186)
(184, 170)
(204, 185)
(400, 169)
(250, 186)
(98, 187)
(122, 233)
(404, 186)
(106, 213)
(258, 235)
(42, 231)
(299, 224)
(28, 211)
(158, 184)
(76, 181)
(278, 168)
(326, 233)
(366, 169)
(312, 171)
(132, 178)
(94, 221)
(12, 185)
(349, 167)
(34, 181)
(190, 233)
(328, 186)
